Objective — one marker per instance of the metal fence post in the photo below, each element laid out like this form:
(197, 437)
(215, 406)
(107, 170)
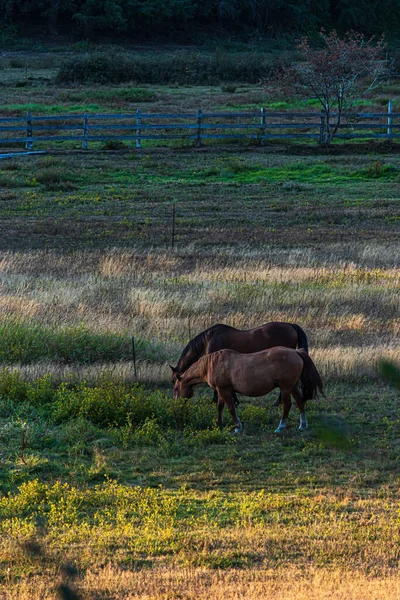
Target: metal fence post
(262, 140)
(138, 130)
(198, 137)
(389, 121)
(28, 144)
(134, 357)
(85, 132)
(321, 139)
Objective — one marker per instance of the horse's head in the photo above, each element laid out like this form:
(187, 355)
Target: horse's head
(175, 374)
(181, 388)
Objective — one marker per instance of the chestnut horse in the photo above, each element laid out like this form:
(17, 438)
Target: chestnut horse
(220, 337)
(227, 372)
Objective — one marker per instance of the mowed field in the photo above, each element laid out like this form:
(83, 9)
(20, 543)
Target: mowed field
(114, 489)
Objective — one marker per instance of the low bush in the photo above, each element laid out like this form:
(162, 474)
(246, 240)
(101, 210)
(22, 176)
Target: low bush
(99, 67)
(143, 413)
(110, 404)
(112, 144)
(182, 68)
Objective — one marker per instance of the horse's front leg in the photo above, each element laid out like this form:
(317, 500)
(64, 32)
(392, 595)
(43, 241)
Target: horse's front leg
(228, 398)
(220, 406)
(215, 397)
(286, 404)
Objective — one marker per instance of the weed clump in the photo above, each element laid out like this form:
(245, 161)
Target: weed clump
(113, 145)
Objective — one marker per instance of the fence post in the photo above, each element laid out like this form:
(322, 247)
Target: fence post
(134, 356)
(138, 130)
(28, 144)
(198, 137)
(85, 131)
(389, 121)
(321, 139)
(173, 227)
(262, 141)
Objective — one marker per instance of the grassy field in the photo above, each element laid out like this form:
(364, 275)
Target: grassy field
(114, 489)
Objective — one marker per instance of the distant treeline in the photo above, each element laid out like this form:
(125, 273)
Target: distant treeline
(182, 20)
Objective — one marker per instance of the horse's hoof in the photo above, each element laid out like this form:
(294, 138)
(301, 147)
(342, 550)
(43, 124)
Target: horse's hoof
(238, 430)
(303, 427)
(280, 429)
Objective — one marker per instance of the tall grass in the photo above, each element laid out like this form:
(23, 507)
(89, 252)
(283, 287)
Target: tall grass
(30, 342)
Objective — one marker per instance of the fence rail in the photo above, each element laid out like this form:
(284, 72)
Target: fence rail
(197, 126)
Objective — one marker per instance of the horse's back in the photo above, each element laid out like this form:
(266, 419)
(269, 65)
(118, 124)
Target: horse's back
(255, 374)
(253, 340)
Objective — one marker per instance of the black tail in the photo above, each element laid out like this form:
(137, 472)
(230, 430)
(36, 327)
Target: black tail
(310, 379)
(302, 338)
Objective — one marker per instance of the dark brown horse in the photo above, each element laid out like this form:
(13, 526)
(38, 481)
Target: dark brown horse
(220, 337)
(227, 372)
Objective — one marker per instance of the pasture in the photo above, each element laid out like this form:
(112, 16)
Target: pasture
(110, 486)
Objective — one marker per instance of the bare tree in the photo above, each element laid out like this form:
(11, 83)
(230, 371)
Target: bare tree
(338, 74)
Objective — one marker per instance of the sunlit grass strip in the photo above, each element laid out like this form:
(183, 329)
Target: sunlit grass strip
(214, 529)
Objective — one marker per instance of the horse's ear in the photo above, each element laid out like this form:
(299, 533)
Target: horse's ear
(172, 369)
(178, 376)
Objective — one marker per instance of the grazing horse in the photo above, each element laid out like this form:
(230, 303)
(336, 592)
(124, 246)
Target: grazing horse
(221, 337)
(227, 372)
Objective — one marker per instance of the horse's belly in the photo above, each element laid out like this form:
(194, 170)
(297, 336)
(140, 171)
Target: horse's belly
(255, 389)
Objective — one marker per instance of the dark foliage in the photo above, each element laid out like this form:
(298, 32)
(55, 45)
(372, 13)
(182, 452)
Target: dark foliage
(185, 19)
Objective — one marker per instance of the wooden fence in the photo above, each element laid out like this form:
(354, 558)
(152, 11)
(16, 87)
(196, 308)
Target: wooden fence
(197, 127)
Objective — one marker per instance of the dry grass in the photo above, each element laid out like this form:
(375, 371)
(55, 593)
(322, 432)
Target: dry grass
(349, 310)
(198, 584)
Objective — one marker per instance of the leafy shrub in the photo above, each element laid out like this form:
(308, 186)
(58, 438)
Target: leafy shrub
(149, 434)
(141, 414)
(12, 386)
(201, 412)
(228, 88)
(110, 404)
(41, 391)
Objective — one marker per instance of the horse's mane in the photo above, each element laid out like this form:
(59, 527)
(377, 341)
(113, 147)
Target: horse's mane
(196, 348)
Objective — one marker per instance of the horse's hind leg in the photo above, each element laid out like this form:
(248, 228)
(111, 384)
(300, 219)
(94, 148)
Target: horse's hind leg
(286, 404)
(298, 396)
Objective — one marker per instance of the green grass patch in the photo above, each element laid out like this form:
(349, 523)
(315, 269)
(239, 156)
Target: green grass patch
(108, 96)
(25, 343)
